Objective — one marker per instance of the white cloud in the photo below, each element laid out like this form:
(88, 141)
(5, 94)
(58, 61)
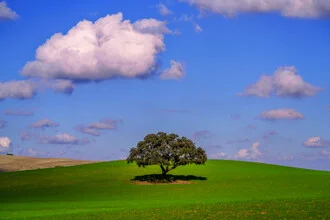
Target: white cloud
(278, 114)
(108, 48)
(94, 128)
(23, 89)
(163, 10)
(197, 27)
(284, 83)
(252, 153)
(62, 139)
(176, 71)
(287, 8)
(5, 142)
(220, 155)
(315, 142)
(6, 12)
(44, 123)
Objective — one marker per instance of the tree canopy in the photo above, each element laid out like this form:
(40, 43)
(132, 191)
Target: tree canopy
(166, 150)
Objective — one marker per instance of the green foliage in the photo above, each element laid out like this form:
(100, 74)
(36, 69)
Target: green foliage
(166, 150)
(10, 154)
(233, 190)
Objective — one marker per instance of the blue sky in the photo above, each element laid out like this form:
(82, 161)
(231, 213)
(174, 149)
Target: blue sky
(244, 81)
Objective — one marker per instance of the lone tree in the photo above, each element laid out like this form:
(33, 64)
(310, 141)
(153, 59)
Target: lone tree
(166, 150)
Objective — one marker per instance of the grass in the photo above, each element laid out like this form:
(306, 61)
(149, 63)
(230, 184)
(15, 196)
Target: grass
(218, 190)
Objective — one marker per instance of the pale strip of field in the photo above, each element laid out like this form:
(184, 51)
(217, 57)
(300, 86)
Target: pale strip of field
(16, 163)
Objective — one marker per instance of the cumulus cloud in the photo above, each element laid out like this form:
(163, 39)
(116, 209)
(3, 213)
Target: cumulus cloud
(5, 142)
(12, 112)
(316, 142)
(176, 71)
(108, 48)
(287, 8)
(284, 83)
(95, 128)
(203, 134)
(61, 86)
(23, 89)
(3, 124)
(252, 153)
(44, 123)
(281, 114)
(163, 10)
(62, 139)
(6, 13)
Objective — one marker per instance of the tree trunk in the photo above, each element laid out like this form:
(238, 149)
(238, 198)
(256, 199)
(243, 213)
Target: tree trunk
(164, 171)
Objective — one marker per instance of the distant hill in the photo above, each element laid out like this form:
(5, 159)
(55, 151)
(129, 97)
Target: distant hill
(10, 163)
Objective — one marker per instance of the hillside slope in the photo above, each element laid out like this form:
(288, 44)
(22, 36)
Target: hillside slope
(220, 189)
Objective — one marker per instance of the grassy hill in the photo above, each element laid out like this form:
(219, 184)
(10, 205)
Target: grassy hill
(232, 189)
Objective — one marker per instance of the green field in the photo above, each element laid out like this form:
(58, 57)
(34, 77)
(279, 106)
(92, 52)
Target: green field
(232, 190)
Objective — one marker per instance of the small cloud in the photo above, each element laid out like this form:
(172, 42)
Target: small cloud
(5, 142)
(95, 128)
(44, 123)
(281, 114)
(316, 142)
(198, 28)
(3, 124)
(284, 83)
(220, 155)
(163, 10)
(252, 153)
(176, 71)
(239, 141)
(12, 112)
(23, 89)
(62, 139)
(6, 13)
(286, 158)
(203, 134)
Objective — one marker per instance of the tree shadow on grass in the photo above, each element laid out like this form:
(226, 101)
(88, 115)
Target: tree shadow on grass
(159, 178)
